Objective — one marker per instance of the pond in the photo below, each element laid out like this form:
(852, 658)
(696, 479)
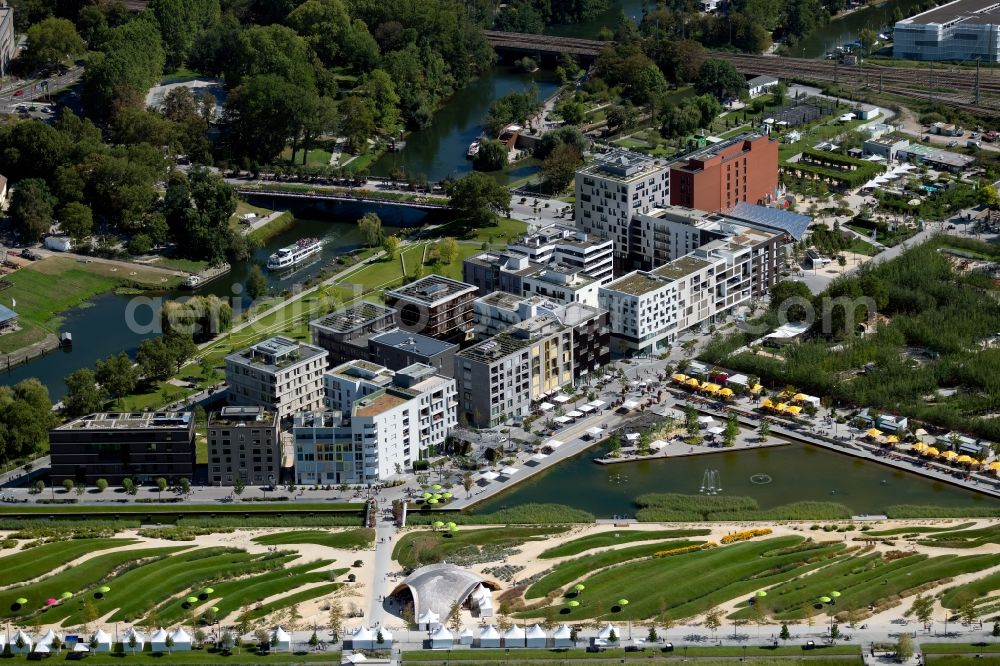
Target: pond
(774, 476)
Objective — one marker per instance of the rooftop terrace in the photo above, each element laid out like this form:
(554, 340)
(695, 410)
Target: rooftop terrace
(354, 317)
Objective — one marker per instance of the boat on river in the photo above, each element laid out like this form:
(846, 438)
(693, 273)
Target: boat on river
(293, 255)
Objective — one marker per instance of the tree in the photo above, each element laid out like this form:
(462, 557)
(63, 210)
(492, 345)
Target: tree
(370, 226)
(681, 120)
(161, 485)
(68, 485)
(335, 618)
(559, 168)
(238, 486)
(612, 637)
(467, 483)
(720, 79)
(987, 196)
(156, 360)
(491, 156)
(572, 111)
(691, 422)
(621, 117)
(132, 642)
(614, 446)
(128, 485)
(779, 92)
(455, 617)
(102, 485)
(117, 375)
(731, 432)
(785, 634)
(77, 220)
(83, 395)
(968, 611)
(447, 250)
(198, 208)
(31, 208)
(478, 199)
(904, 647)
(868, 38)
(357, 122)
(713, 620)
(51, 41)
(651, 637)
(923, 609)
(185, 486)
(169, 643)
(256, 283)
(764, 429)
(391, 247)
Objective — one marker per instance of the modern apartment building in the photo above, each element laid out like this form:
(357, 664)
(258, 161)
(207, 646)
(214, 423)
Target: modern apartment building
(499, 311)
(280, 374)
(649, 309)
(381, 433)
(243, 444)
(118, 446)
(8, 40)
(344, 334)
(501, 377)
(959, 30)
(435, 306)
(517, 274)
(352, 381)
(741, 169)
(398, 349)
(616, 187)
(568, 247)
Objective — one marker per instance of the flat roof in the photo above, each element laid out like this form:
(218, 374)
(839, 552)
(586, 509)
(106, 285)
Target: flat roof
(716, 148)
(514, 339)
(501, 299)
(940, 156)
(791, 223)
(983, 12)
(379, 402)
(276, 353)
(353, 317)
(681, 267)
(431, 289)
(412, 342)
(638, 283)
(129, 421)
(248, 415)
(624, 165)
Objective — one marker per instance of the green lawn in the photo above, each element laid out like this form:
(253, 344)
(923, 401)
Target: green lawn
(504, 230)
(959, 648)
(865, 580)
(347, 539)
(688, 584)
(420, 547)
(79, 580)
(577, 546)
(189, 265)
(296, 598)
(651, 654)
(976, 589)
(963, 538)
(40, 560)
(916, 530)
(572, 570)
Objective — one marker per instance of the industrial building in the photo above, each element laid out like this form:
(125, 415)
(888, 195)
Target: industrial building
(959, 30)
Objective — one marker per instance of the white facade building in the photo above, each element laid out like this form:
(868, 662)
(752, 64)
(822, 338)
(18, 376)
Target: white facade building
(616, 187)
(280, 374)
(383, 431)
(959, 30)
(568, 247)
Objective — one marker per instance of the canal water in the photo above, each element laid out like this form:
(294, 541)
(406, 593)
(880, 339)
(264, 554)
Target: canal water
(773, 477)
(846, 29)
(439, 151)
(101, 327)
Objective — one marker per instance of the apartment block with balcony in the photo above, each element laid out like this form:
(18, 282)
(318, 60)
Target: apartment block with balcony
(613, 189)
(344, 334)
(243, 444)
(381, 433)
(501, 377)
(279, 374)
(570, 248)
(435, 306)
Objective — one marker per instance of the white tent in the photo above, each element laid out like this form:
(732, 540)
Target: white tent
(716, 430)
(140, 640)
(103, 639)
(465, 638)
(535, 637)
(81, 647)
(605, 633)
(158, 641)
(489, 476)
(562, 420)
(560, 398)
(562, 637)
(386, 642)
(508, 471)
(706, 420)
(182, 640)
(429, 620)
(594, 431)
(356, 658)
(47, 638)
(586, 409)
(574, 414)
(632, 437)
(489, 637)
(363, 639)
(280, 640)
(442, 639)
(25, 638)
(552, 444)
(629, 405)
(656, 445)
(482, 601)
(546, 407)
(41, 647)
(597, 404)
(514, 637)
(539, 457)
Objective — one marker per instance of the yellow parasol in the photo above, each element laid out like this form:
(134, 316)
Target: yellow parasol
(678, 377)
(873, 432)
(949, 455)
(966, 459)
(726, 392)
(756, 388)
(931, 451)
(710, 388)
(800, 397)
(766, 403)
(794, 409)
(919, 446)
(781, 407)
(692, 382)
(995, 466)
(892, 439)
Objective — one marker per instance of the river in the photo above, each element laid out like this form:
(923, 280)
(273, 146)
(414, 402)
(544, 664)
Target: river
(772, 476)
(439, 151)
(847, 28)
(100, 327)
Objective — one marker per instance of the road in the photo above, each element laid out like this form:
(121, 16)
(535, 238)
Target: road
(9, 100)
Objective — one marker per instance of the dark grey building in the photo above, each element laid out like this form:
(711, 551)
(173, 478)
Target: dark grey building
(344, 334)
(398, 349)
(435, 305)
(243, 444)
(139, 446)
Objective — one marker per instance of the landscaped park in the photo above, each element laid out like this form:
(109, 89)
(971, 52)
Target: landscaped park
(705, 579)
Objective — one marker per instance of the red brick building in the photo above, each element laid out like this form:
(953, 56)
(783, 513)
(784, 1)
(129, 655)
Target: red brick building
(744, 168)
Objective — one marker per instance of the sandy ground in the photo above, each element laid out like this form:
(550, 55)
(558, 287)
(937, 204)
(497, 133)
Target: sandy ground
(358, 595)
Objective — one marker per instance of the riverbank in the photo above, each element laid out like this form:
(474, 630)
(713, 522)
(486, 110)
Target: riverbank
(678, 451)
(40, 293)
